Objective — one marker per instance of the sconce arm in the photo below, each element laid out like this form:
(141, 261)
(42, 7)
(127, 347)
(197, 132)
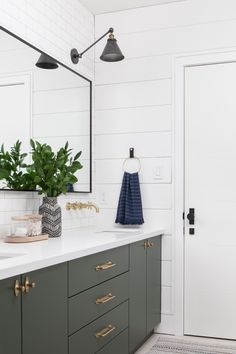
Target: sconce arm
(74, 53)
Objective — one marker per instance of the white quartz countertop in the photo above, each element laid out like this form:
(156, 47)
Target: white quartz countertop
(71, 245)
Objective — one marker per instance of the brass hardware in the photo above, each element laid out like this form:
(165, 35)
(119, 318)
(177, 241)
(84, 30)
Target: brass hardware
(70, 206)
(105, 331)
(80, 205)
(148, 244)
(104, 299)
(29, 285)
(104, 266)
(18, 288)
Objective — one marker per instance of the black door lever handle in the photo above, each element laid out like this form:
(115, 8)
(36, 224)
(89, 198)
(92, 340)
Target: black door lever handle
(191, 216)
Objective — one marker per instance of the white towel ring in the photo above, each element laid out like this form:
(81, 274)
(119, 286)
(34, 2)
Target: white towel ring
(131, 159)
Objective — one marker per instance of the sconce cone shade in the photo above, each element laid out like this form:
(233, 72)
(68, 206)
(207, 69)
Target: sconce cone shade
(112, 51)
(45, 62)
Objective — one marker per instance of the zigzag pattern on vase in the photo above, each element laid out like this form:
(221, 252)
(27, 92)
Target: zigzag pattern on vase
(51, 217)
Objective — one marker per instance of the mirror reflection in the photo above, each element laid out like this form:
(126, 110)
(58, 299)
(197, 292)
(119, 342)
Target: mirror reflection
(48, 105)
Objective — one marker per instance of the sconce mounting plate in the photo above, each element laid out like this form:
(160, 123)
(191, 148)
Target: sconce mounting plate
(74, 55)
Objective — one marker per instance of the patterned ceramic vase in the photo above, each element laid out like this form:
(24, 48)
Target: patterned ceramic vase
(51, 217)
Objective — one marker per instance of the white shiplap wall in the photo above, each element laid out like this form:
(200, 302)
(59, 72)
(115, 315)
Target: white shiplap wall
(54, 26)
(134, 108)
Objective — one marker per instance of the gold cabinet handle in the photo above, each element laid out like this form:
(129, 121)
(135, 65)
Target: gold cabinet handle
(105, 331)
(104, 299)
(104, 266)
(29, 284)
(148, 244)
(18, 288)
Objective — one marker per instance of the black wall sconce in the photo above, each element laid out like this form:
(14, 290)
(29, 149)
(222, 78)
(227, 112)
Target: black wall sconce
(111, 52)
(46, 62)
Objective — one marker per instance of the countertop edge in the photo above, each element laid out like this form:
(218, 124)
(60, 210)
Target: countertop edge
(34, 264)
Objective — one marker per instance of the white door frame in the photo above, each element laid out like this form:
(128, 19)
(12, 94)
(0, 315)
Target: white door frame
(179, 64)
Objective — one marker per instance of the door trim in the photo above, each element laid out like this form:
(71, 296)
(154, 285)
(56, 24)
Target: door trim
(178, 65)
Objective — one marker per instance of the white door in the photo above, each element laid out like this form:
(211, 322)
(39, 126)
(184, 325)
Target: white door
(210, 188)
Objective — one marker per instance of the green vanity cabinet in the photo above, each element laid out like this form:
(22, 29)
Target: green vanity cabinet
(105, 303)
(10, 317)
(44, 311)
(144, 290)
(34, 316)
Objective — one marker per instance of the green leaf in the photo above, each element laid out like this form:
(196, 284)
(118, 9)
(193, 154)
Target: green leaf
(77, 155)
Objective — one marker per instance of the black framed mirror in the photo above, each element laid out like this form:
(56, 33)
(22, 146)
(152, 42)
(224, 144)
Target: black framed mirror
(52, 105)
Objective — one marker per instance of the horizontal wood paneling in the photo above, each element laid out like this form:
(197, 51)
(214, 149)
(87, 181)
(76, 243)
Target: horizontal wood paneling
(68, 100)
(77, 124)
(145, 144)
(133, 94)
(136, 69)
(181, 39)
(133, 120)
(155, 170)
(170, 15)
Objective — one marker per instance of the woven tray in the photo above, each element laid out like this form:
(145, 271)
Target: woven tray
(26, 239)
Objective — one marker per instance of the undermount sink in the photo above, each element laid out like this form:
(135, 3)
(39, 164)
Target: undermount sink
(123, 231)
(4, 256)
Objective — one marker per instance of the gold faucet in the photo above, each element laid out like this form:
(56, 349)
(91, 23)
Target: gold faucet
(80, 205)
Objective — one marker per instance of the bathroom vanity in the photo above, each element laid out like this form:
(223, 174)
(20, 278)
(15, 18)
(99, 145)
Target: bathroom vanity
(88, 292)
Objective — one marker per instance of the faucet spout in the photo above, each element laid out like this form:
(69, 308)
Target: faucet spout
(92, 205)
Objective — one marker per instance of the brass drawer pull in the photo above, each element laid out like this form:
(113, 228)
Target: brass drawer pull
(105, 331)
(104, 299)
(29, 285)
(105, 266)
(18, 288)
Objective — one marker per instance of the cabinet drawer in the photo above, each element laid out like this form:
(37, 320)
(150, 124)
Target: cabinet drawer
(98, 333)
(91, 270)
(117, 346)
(93, 303)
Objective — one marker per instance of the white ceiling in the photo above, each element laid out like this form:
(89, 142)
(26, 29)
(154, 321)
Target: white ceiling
(103, 6)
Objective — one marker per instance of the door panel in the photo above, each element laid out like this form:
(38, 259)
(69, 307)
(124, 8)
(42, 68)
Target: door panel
(210, 188)
(44, 312)
(10, 318)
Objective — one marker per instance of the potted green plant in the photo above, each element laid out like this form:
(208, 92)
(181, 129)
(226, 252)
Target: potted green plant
(50, 173)
(53, 172)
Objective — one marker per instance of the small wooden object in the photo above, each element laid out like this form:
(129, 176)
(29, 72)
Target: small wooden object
(26, 239)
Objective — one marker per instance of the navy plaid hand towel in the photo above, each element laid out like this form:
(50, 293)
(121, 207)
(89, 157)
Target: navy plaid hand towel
(130, 210)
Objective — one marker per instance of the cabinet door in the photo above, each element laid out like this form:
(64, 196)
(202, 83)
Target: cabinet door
(137, 291)
(153, 283)
(44, 312)
(10, 318)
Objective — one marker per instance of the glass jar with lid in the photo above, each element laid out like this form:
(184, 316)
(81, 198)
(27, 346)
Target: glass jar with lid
(26, 225)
